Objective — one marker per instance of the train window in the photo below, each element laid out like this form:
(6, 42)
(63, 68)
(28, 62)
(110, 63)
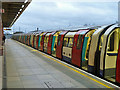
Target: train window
(59, 39)
(65, 42)
(79, 41)
(111, 43)
(70, 44)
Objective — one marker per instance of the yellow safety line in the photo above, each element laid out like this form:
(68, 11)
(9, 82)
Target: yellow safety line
(69, 67)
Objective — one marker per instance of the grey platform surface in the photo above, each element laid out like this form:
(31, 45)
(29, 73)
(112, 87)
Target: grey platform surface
(29, 69)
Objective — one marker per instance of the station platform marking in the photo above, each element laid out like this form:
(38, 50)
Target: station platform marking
(79, 71)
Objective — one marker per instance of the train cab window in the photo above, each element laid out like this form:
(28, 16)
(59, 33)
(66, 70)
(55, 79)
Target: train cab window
(79, 41)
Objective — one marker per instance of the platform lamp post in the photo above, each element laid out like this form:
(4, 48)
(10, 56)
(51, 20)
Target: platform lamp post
(1, 32)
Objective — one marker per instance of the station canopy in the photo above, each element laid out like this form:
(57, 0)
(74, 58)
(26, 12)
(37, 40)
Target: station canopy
(12, 9)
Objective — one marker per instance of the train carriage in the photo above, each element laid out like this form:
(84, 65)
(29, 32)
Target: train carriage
(109, 59)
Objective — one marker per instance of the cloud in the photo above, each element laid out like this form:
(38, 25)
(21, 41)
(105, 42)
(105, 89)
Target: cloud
(56, 15)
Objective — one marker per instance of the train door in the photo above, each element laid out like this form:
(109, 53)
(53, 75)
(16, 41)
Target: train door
(23, 38)
(42, 42)
(46, 39)
(29, 39)
(49, 47)
(77, 47)
(39, 40)
(85, 49)
(108, 59)
(95, 50)
(67, 46)
(38, 35)
(20, 38)
(35, 37)
(54, 43)
(26, 39)
(60, 44)
(33, 41)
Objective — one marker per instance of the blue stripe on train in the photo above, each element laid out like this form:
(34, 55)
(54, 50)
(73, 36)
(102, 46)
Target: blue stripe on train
(84, 48)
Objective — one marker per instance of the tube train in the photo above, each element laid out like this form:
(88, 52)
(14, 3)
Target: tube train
(96, 51)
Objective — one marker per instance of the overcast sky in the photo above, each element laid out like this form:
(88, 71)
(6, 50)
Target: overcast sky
(59, 15)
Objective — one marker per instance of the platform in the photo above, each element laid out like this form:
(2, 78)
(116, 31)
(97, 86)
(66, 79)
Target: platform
(30, 68)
